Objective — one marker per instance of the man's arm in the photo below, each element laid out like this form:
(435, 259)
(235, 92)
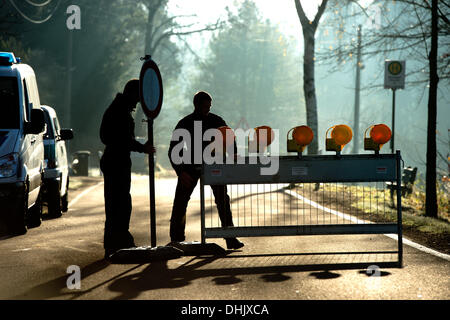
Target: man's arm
(117, 130)
(173, 142)
(221, 123)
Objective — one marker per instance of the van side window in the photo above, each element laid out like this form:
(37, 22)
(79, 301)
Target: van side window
(56, 125)
(33, 91)
(48, 134)
(27, 101)
(9, 99)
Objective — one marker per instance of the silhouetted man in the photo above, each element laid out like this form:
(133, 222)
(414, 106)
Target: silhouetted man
(188, 173)
(117, 133)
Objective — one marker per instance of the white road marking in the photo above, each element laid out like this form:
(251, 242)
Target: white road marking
(19, 250)
(76, 249)
(82, 194)
(318, 206)
(421, 247)
(356, 220)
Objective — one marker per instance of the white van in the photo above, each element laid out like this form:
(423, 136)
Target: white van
(21, 146)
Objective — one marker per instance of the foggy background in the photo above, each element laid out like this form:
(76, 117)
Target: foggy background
(247, 54)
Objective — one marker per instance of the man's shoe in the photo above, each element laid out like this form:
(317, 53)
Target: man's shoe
(175, 244)
(109, 253)
(233, 243)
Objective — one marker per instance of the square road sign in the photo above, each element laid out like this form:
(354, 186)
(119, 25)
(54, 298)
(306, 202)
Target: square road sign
(394, 74)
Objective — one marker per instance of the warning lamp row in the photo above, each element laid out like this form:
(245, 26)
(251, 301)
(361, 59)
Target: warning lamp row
(299, 137)
(338, 136)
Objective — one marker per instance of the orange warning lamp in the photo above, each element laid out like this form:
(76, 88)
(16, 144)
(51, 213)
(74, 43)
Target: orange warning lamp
(228, 136)
(340, 135)
(265, 134)
(379, 134)
(264, 137)
(301, 137)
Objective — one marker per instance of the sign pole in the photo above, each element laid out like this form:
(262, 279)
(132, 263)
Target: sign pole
(394, 78)
(393, 120)
(151, 174)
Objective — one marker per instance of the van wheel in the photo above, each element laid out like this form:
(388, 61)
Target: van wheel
(54, 200)
(65, 199)
(18, 226)
(35, 213)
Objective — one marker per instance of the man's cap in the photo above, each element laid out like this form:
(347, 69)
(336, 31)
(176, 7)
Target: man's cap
(132, 87)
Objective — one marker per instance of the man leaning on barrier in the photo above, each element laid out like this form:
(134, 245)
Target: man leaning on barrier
(188, 173)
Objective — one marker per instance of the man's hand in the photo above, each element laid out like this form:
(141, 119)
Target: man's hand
(149, 148)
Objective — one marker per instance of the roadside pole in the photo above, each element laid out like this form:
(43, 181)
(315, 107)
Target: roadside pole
(394, 78)
(359, 66)
(393, 121)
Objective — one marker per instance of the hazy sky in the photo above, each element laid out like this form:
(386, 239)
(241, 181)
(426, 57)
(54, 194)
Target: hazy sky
(279, 11)
(282, 12)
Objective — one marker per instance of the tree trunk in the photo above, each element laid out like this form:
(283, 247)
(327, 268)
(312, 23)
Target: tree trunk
(309, 29)
(152, 8)
(431, 209)
(309, 88)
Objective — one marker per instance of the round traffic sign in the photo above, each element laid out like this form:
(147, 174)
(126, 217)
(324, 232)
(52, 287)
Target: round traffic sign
(395, 68)
(150, 88)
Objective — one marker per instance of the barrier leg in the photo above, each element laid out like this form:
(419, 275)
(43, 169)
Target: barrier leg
(202, 209)
(399, 212)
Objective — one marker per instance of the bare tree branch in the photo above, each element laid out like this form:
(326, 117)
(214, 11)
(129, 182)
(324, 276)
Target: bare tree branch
(304, 19)
(320, 12)
(170, 33)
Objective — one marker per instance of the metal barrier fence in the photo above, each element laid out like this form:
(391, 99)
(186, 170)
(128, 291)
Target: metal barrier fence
(309, 195)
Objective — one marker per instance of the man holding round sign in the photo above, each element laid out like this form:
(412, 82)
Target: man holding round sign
(117, 134)
(148, 90)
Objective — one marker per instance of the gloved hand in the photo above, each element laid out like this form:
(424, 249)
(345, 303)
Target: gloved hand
(149, 148)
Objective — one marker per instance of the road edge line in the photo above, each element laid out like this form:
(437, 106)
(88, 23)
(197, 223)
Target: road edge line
(352, 218)
(82, 194)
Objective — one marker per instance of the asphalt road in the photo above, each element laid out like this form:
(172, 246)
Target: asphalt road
(39, 265)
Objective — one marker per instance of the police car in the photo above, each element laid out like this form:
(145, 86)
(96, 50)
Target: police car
(21, 146)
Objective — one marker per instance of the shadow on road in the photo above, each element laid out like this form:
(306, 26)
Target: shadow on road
(57, 288)
(158, 275)
(223, 270)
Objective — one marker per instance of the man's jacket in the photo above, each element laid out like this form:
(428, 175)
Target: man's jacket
(117, 132)
(210, 121)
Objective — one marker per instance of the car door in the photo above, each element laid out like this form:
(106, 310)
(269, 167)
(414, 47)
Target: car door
(31, 148)
(61, 156)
